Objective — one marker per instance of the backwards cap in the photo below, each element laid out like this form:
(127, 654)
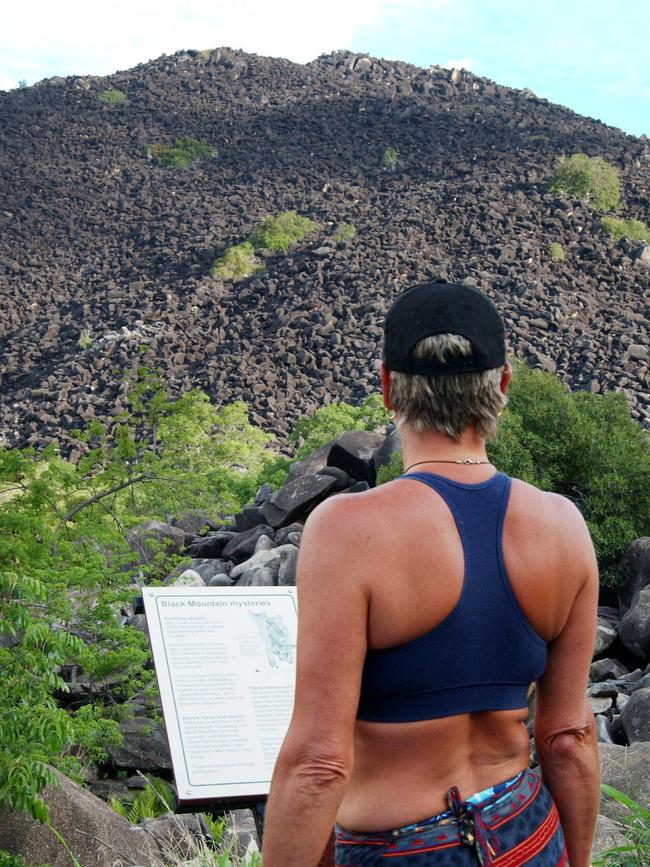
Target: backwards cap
(443, 308)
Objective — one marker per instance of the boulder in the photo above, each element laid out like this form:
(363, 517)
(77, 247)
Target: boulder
(182, 837)
(242, 545)
(192, 522)
(283, 533)
(607, 669)
(144, 746)
(635, 716)
(149, 539)
(250, 516)
(297, 498)
(636, 571)
(354, 452)
(187, 578)
(626, 769)
(94, 832)
(608, 834)
(605, 635)
(387, 448)
(211, 545)
(241, 834)
(634, 629)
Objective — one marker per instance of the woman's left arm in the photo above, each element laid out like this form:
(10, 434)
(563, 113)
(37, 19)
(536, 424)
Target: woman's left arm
(317, 756)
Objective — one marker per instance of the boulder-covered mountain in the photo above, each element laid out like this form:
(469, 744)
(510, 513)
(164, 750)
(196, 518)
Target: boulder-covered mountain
(105, 253)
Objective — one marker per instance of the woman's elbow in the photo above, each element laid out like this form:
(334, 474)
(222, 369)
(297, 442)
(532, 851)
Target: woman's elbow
(315, 770)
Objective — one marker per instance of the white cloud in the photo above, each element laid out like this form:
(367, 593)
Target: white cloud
(78, 37)
(468, 63)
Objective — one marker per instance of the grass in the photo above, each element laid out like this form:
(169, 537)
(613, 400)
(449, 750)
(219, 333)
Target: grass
(182, 154)
(344, 233)
(279, 233)
(634, 230)
(112, 97)
(634, 823)
(557, 252)
(237, 263)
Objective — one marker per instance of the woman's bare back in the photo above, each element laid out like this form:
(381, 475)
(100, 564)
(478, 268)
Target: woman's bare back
(402, 771)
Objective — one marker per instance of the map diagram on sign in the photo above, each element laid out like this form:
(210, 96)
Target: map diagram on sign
(275, 638)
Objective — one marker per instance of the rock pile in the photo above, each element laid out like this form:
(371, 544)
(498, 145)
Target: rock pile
(104, 254)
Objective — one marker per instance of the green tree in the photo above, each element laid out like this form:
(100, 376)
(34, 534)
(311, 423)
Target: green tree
(590, 178)
(66, 567)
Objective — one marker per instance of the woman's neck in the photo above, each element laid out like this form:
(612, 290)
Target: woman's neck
(433, 447)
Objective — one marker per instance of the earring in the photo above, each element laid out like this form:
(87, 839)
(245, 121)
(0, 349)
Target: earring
(391, 414)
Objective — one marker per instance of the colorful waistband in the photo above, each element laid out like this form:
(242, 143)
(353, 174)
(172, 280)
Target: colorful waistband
(481, 824)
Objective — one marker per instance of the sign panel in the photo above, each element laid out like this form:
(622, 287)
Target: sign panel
(225, 662)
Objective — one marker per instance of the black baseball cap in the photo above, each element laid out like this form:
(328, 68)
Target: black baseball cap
(443, 308)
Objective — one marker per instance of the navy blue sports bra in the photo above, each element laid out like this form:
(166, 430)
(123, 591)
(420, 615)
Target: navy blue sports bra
(484, 654)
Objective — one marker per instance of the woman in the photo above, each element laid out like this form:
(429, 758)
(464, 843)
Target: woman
(427, 606)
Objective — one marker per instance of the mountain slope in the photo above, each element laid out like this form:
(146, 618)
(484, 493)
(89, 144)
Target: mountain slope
(99, 241)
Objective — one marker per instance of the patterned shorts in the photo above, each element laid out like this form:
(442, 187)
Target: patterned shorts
(511, 824)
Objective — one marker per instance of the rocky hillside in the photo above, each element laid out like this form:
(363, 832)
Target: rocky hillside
(105, 253)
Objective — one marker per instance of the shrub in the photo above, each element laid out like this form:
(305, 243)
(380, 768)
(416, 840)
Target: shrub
(237, 263)
(112, 97)
(634, 823)
(589, 178)
(335, 418)
(182, 154)
(557, 252)
(389, 159)
(85, 338)
(154, 800)
(281, 232)
(344, 233)
(634, 230)
(582, 445)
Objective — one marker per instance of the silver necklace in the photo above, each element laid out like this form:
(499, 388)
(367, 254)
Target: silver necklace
(435, 461)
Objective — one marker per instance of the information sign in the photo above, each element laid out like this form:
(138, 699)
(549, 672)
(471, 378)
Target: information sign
(225, 662)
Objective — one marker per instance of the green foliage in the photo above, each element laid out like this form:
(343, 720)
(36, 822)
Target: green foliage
(335, 418)
(392, 469)
(589, 178)
(237, 263)
(273, 234)
(581, 445)
(281, 232)
(85, 338)
(7, 860)
(66, 568)
(344, 233)
(205, 54)
(112, 97)
(22, 84)
(389, 159)
(556, 252)
(634, 230)
(155, 799)
(182, 154)
(634, 824)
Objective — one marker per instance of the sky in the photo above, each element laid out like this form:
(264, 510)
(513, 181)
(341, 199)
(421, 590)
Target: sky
(590, 55)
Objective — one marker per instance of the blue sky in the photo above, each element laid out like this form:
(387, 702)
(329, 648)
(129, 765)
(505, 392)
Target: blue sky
(591, 56)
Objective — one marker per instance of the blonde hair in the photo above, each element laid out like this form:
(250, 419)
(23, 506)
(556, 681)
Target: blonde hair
(448, 404)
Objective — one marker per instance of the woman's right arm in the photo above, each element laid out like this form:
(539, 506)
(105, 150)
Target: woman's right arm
(565, 732)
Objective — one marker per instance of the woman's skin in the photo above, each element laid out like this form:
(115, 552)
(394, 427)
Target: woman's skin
(382, 567)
